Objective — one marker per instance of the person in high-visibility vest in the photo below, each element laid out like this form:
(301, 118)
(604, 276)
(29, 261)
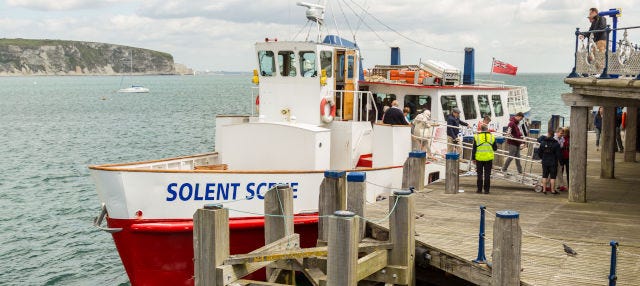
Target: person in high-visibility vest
(484, 144)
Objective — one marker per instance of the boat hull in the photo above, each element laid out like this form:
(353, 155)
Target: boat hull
(160, 252)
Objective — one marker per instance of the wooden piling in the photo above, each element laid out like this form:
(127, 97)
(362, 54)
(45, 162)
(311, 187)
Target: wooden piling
(578, 154)
(452, 173)
(413, 171)
(356, 196)
(332, 198)
(498, 159)
(507, 249)
(631, 133)
(608, 143)
(210, 243)
(342, 258)
(402, 235)
(278, 221)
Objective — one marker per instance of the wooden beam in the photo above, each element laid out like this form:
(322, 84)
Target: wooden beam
(413, 171)
(631, 134)
(343, 249)
(371, 264)
(278, 219)
(576, 99)
(230, 273)
(244, 282)
(392, 274)
(578, 154)
(608, 143)
(210, 243)
(507, 249)
(356, 197)
(332, 197)
(452, 177)
(402, 233)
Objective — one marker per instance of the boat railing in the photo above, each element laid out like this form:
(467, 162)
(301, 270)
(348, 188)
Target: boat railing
(496, 83)
(363, 104)
(619, 59)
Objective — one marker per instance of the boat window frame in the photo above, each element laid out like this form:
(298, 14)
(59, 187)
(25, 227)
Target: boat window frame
(418, 108)
(493, 103)
(465, 109)
(446, 110)
(291, 63)
(323, 63)
(260, 63)
(489, 106)
(303, 60)
(351, 65)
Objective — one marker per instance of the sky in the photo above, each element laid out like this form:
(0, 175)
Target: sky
(535, 35)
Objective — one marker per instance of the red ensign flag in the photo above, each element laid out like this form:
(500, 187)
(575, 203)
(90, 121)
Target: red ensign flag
(505, 68)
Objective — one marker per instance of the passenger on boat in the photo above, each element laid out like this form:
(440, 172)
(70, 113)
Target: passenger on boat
(394, 115)
(514, 146)
(453, 129)
(484, 146)
(406, 111)
(422, 130)
(549, 153)
(485, 122)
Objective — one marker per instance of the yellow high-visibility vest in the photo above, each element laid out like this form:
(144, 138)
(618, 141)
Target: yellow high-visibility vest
(484, 146)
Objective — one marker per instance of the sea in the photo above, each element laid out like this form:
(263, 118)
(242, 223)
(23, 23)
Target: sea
(54, 127)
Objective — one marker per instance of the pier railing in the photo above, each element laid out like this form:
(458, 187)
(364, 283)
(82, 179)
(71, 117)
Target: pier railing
(620, 58)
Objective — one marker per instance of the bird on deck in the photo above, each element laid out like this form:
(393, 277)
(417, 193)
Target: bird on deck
(569, 250)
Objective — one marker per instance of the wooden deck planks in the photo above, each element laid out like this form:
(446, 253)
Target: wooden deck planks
(450, 223)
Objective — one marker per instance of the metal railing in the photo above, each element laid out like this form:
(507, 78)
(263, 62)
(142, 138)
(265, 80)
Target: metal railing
(363, 104)
(619, 59)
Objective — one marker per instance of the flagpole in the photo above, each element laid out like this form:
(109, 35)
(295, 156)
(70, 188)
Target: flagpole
(493, 60)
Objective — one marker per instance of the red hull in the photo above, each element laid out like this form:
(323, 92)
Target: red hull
(160, 252)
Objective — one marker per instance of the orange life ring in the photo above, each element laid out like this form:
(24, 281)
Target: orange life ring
(326, 118)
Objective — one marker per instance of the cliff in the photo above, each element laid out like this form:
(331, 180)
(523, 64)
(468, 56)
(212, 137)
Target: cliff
(58, 57)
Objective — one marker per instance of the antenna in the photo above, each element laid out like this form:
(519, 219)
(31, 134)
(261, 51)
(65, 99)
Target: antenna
(315, 13)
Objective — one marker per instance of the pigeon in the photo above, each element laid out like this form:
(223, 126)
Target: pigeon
(569, 250)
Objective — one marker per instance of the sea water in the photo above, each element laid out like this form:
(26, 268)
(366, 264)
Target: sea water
(53, 128)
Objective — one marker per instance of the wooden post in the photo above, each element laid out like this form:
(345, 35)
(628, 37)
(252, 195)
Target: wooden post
(631, 134)
(210, 243)
(507, 248)
(332, 198)
(578, 154)
(498, 161)
(356, 196)
(342, 257)
(608, 143)
(278, 219)
(413, 171)
(402, 233)
(451, 183)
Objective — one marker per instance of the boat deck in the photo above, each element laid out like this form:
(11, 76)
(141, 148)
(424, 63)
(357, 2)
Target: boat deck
(450, 223)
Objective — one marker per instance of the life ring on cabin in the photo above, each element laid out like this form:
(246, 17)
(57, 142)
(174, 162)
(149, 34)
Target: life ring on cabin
(327, 118)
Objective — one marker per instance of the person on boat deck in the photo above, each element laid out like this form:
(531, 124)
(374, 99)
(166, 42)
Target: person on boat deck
(407, 114)
(514, 142)
(549, 153)
(600, 38)
(597, 124)
(484, 144)
(485, 122)
(422, 130)
(453, 129)
(394, 115)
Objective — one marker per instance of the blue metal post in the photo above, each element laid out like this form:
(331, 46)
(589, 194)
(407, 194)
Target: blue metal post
(481, 258)
(575, 57)
(605, 73)
(612, 271)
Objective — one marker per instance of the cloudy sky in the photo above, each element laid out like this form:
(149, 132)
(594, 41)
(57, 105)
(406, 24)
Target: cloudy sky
(535, 35)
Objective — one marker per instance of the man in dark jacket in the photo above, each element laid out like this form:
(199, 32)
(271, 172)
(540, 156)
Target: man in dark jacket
(394, 115)
(513, 142)
(453, 128)
(550, 154)
(600, 38)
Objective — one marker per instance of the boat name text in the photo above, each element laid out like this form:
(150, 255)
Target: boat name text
(221, 191)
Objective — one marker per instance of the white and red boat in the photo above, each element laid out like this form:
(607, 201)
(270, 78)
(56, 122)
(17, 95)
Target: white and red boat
(314, 109)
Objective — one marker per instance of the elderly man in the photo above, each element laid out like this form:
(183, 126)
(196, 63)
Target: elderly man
(422, 130)
(453, 129)
(394, 115)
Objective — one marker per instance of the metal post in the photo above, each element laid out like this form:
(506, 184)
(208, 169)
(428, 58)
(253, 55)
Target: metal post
(612, 271)
(605, 74)
(481, 257)
(575, 58)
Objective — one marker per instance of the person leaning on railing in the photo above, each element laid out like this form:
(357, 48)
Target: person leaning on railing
(598, 23)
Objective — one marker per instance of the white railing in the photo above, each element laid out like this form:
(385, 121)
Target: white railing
(363, 104)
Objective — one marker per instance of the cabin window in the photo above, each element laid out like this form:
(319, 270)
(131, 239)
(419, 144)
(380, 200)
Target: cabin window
(469, 107)
(340, 70)
(287, 62)
(350, 64)
(497, 105)
(448, 103)
(417, 104)
(326, 61)
(267, 63)
(484, 105)
(308, 64)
